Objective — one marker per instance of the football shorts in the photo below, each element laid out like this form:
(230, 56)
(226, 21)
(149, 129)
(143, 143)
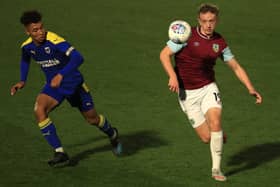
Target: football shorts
(80, 97)
(197, 102)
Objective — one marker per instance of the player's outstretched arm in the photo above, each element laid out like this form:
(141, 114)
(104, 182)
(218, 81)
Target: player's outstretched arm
(165, 58)
(17, 87)
(244, 78)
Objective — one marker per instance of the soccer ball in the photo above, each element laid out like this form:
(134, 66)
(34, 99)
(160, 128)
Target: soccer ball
(179, 31)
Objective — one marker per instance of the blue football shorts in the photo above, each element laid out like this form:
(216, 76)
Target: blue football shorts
(79, 97)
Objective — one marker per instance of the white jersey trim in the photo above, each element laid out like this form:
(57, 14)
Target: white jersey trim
(69, 50)
(227, 54)
(175, 47)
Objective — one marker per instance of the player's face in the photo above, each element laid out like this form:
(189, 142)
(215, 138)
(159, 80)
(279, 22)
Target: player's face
(207, 22)
(37, 32)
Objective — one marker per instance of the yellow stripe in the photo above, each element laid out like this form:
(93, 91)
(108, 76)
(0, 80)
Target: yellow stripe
(54, 38)
(101, 121)
(45, 123)
(28, 41)
(85, 87)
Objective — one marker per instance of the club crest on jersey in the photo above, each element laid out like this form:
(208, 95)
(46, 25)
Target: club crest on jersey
(47, 50)
(32, 52)
(215, 47)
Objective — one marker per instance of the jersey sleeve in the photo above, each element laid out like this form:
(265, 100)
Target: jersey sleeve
(227, 54)
(174, 46)
(76, 58)
(65, 47)
(24, 65)
(75, 61)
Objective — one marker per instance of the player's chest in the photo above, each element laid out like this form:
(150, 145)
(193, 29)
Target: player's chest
(44, 52)
(204, 49)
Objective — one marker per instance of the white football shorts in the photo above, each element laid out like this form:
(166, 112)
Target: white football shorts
(199, 101)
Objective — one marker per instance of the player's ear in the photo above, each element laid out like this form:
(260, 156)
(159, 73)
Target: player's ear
(198, 20)
(26, 31)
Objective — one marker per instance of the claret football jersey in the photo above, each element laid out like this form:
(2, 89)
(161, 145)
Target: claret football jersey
(195, 60)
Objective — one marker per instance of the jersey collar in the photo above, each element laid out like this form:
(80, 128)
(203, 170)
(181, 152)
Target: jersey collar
(203, 35)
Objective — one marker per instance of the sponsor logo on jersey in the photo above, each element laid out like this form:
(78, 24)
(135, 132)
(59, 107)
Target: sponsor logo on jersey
(48, 50)
(216, 47)
(49, 63)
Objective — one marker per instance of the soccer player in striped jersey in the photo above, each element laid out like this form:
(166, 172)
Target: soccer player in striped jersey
(193, 78)
(59, 61)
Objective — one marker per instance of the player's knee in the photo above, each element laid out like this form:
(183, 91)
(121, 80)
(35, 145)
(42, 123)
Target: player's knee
(93, 120)
(205, 139)
(40, 112)
(215, 125)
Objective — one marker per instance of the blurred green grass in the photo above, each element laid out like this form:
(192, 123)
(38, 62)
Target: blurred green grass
(120, 41)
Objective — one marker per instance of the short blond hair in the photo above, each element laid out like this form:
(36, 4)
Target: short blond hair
(207, 7)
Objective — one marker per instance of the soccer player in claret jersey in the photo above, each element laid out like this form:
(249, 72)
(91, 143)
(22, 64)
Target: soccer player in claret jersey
(59, 61)
(193, 78)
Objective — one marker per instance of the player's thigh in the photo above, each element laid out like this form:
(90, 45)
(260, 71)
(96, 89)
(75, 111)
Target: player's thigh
(211, 98)
(48, 99)
(81, 99)
(212, 107)
(43, 105)
(192, 108)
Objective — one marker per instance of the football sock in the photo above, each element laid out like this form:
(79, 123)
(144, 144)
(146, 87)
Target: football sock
(60, 149)
(216, 147)
(49, 132)
(105, 126)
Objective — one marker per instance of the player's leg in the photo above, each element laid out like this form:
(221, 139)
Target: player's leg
(213, 117)
(45, 103)
(191, 107)
(82, 99)
(100, 121)
(103, 124)
(203, 132)
(212, 107)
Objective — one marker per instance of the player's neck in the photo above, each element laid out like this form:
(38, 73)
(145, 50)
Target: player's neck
(208, 36)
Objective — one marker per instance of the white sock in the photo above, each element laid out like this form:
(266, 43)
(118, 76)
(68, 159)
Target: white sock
(59, 149)
(216, 148)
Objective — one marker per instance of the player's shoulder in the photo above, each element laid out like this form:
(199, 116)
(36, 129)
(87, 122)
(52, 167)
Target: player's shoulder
(193, 29)
(54, 38)
(217, 35)
(26, 42)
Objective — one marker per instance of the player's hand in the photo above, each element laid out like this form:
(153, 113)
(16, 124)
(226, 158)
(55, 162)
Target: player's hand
(56, 81)
(173, 84)
(257, 96)
(16, 87)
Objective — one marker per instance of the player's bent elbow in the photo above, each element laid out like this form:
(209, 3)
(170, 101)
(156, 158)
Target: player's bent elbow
(77, 57)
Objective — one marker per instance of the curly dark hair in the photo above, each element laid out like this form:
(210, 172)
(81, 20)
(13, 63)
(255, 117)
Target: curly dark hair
(30, 16)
